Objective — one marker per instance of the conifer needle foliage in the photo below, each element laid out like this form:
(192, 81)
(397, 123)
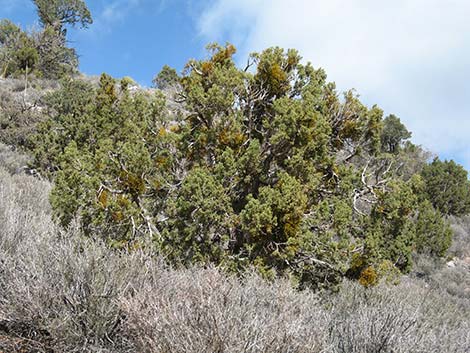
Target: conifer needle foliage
(267, 166)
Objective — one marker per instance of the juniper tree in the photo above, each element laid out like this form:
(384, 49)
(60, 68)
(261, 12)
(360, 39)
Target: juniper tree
(59, 13)
(268, 167)
(18, 53)
(56, 59)
(433, 233)
(166, 78)
(447, 187)
(394, 134)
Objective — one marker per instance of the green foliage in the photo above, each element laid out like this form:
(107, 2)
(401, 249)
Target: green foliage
(112, 171)
(201, 225)
(8, 32)
(27, 58)
(268, 167)
(388, 272)
(44, 52)
(271, 223)
(374, 129)
(127, 81)
(433, 233)
(57, 13)
(391, 231)
(55, 58)
(447, 187)
(18, 53)
(68, 111)
(394, 134)
(166, 78)
(10, 35)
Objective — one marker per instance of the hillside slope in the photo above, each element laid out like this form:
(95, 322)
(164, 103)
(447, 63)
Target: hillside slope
(63, 292)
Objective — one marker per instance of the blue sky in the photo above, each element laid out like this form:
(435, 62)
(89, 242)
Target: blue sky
(411, 57)
(128, 37)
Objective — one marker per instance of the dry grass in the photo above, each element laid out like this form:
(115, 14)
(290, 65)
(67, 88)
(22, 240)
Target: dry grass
(60, 292)
(461, 241)
(22, 109)
(11, 161)
(404, 318)
(200, 310)
(451, 275)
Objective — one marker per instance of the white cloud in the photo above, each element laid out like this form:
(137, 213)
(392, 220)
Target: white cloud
(409, 56)
(118, 11)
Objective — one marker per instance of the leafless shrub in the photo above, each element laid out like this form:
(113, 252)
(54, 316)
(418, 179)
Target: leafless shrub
(454, 280)
(365, 321)
(35, 88)
(461, 238)
(206, 311)
(21, 108)
(45, 85)
(54, 282)
(12, 161)
(404, 318)
(24, 211)
(424, 266)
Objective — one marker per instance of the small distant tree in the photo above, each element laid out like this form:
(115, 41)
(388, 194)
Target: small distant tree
(27, 57)
(44, 52)
(447, 187)
(17, 50)
(58, 13)
(433, 233)
(8, 32)
(55, 58)
(167, 77)
(394, 133)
